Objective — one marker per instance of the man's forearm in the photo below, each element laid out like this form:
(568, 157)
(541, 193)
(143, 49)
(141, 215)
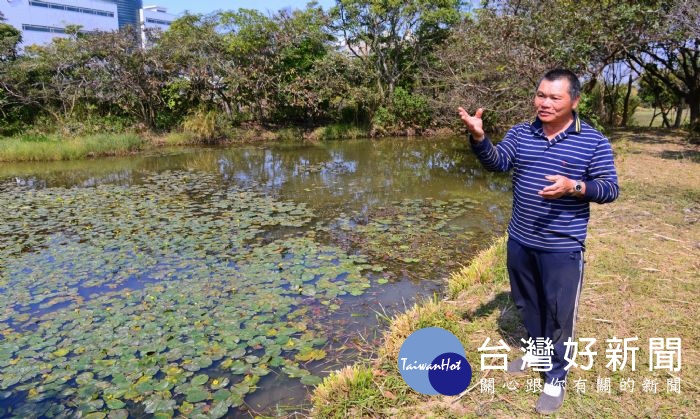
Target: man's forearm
(601, 191)
(493, 159)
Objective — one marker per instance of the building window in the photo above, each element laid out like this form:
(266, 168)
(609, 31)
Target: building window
(40, 28)
(48, 5)
(50, 29)
(157, 21)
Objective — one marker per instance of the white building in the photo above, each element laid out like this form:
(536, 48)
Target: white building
(42, 20)
(154, 17)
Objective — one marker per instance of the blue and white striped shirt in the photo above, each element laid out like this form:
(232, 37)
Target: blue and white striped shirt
(579, 153)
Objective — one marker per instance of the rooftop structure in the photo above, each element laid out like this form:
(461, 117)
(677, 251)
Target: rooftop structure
(43, 20)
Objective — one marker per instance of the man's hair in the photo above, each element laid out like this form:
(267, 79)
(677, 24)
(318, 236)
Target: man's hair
(562, 73)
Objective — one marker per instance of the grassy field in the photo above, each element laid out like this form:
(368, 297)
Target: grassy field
(642, 280)
(642, 117)
(51, 147)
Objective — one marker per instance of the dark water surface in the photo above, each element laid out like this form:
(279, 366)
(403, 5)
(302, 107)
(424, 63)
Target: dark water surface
(223, 281)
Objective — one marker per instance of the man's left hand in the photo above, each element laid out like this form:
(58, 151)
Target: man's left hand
(561, 186)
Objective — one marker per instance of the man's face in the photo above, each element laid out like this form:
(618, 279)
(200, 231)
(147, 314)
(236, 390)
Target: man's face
(552, 101)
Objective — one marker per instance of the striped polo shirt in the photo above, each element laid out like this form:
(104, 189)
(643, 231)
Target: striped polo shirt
(579, 153)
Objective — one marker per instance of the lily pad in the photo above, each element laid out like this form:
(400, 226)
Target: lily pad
(311, 380)
(197, 394)
(199, 379)
(114, 404)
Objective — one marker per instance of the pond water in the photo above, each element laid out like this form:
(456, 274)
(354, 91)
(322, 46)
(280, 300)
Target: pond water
(223, 281)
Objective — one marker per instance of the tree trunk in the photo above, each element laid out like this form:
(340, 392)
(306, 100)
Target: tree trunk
(664, 115)
(693, 101)
(625, 109)
(613, 98)
(679, 114)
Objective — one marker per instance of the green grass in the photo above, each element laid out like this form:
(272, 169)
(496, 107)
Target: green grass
(32, 147)
(179, 139)
(642, 117)
(338, 131)
(47, 147)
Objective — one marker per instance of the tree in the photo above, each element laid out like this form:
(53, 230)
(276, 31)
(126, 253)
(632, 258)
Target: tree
(672, 56)
(495, 57)
(50, 78)
(117, 75)
(656, 94)
(10, 114)
(105, 71)
(303, 43)
(10, 38)
(195, 48)
(392, 37)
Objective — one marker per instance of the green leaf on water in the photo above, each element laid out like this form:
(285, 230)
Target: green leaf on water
(237, 353)
(293, 371)
(118, 414)
(157, 404)
(220, 409)
(91, 405)
(221, 394)
(199, 380)
(114, 404)
(311, 380)
(196, 394)
(95, 415)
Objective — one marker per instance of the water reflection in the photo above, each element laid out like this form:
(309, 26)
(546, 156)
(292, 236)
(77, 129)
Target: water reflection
(349, 180)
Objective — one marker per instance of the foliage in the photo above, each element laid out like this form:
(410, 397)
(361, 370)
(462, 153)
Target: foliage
(10, 38)
(398, 66)
(495, 58)
(392, 38)
(671, 55)
(406, 111)
(411, 108)
(383, 121)
(338, 131)
(203, 125)
(589, 110)
(203, 311)
(604, 105)
(654, 93)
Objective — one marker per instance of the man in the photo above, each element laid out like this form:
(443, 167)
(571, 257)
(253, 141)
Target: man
(560, 164)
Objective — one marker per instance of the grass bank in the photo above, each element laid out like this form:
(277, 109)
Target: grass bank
(52, 147)
(45, 147)
(642, 280)
(39, 147)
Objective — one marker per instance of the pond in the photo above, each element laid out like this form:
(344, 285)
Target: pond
(223, 281)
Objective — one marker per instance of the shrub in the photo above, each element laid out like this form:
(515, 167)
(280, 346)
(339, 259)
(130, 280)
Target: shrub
(410, 109)
(204, 125)
(383, 121)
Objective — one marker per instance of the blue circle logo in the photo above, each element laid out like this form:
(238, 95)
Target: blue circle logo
(432, 361)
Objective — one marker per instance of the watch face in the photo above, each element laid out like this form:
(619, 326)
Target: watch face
(578, 187)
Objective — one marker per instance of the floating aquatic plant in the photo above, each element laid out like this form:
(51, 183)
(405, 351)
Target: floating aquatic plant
(165, 297)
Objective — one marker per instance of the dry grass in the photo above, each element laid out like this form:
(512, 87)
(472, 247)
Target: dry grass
(642, 279)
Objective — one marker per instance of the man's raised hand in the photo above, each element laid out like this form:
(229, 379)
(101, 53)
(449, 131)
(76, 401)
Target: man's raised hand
(474, 124)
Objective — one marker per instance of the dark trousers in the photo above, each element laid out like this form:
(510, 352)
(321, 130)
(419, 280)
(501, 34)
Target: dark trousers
(545, 287)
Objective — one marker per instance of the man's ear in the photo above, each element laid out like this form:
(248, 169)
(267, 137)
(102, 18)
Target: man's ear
(574, 104)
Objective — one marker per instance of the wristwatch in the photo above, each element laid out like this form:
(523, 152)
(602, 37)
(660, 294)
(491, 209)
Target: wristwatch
(579, 187)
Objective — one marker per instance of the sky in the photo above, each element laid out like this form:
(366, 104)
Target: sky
(178, 7)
